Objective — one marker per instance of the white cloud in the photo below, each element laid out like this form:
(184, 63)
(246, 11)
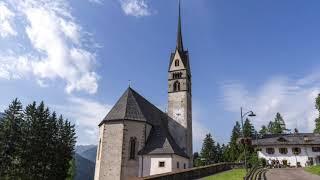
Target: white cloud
(294, 99)
(86, 114)
(199, 132)
(6, 18)
(96, 1)
(57, 44)
(136, 8)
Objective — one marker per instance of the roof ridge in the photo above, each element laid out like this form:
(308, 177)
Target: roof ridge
(134, 93)
(126, 110)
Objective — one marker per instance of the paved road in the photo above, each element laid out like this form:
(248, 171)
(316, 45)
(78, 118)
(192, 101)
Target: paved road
(290, 174)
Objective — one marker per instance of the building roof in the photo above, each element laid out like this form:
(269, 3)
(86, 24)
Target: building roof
(160, 140)
(288, 139)
(132, 106)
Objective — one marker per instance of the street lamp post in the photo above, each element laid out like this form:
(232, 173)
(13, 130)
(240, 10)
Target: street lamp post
(251, 114)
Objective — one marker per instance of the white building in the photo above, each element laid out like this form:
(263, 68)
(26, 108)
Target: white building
(302, 149)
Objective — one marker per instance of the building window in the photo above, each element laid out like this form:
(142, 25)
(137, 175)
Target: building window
(176, 62)
(315, 149)
(176, 86)
(178, 165)
(162, 164)
(270, 150)
(99, 147)
(184, 166)
(133, 142)
(296, 150)
(177, 75)
(283, 150)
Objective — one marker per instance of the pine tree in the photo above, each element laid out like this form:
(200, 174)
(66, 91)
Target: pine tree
(234, 149)
(279, 125)
(30, 134)
(271, 127)
(208, 151)
(263, 131)
(219, 155)
(11, 138)
(248, 129)
(317, 120)
(35, 144)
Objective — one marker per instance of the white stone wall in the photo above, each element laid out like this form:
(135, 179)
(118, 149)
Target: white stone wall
(108, 166)
(151, 164)
(183, 162)
(306, 151)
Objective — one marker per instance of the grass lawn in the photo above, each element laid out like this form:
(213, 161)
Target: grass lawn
(313, 170)
(235, 174)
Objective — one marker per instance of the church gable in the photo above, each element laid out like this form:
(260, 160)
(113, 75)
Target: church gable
(176, 62)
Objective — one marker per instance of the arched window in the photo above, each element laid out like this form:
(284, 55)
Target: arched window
(176, 62)
(177, 75)
(176, 86)
(133, 142)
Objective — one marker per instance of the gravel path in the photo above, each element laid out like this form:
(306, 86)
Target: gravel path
(290, 174)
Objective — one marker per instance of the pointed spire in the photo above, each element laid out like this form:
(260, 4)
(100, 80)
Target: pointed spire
(179, 35)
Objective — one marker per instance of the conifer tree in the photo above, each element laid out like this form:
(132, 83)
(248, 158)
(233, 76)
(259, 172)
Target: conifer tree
(280, 125)
(263, 131)
(11, 138)
(317, 120)
(208, 151)
(248, 129)
(219, 155)
(234, 149)
(35, 144)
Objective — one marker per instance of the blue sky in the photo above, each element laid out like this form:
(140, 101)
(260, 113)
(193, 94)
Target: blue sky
(79, 55)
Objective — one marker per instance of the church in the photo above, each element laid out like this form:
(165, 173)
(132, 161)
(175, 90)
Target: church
(136, 139)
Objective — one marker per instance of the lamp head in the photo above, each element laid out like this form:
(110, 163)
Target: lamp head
(252, 114)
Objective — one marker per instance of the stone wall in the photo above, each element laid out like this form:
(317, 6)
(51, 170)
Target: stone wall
(195, 173)
(132, 129)
(108, 164)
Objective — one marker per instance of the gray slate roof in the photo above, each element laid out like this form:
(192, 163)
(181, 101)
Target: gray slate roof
(133, 106)
(288, 139)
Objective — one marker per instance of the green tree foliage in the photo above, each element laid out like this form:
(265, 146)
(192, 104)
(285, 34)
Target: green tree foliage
(248, 129)
(41, 146)
(196, 160)
(209, 151)
(263, 131)
(71, 170)
(317, 120)
(11, 141)
(234, 148)
(278, 126)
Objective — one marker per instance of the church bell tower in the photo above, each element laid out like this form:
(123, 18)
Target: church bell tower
(179, 94)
